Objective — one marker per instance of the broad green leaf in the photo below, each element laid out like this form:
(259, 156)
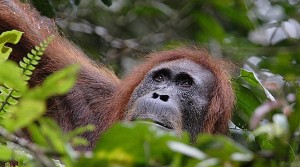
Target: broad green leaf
(13, 37)
(246, 102)
(61, 81)
(256, 85)
(11, 75)
(250, 93)
(24, 113)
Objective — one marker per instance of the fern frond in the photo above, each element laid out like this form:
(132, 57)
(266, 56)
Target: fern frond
(10, 96)
(29, 63)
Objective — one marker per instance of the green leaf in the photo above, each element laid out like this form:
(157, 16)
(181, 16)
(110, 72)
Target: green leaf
(255, 84)
(62, 81)
(30, 56)
(8, 37)
(34, 62)
(50, 129)
(26, 60)
(250, 94)
(37, 135)
(264, 142)
(33, 51)
(26, 78)
(4, 90)
(24, 113)
(12, 101)
(246, 103)
(22, 64)
(28, 73)
(37, 48)
(16, 94)
(48, 134)
(11, 75)
(37, 58)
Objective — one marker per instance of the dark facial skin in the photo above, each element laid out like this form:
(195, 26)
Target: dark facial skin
(174, 95)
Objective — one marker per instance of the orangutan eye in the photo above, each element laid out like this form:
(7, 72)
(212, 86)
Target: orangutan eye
(159, 77)
(184, 80)
(186, 83)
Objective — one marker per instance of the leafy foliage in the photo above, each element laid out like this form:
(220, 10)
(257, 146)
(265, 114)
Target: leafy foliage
(12, 89)
(23, 108)
(29, 63)
(8, 37)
